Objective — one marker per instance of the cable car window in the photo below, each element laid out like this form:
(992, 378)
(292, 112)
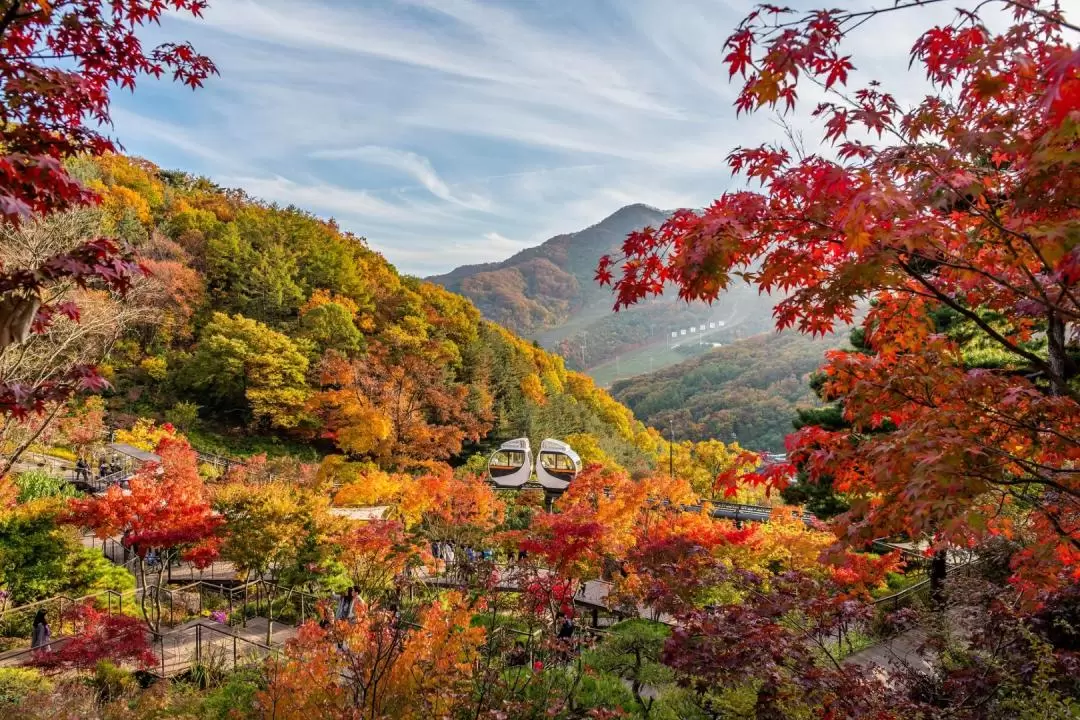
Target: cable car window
(508, 459)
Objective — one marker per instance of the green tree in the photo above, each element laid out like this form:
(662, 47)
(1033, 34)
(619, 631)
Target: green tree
(241, 363)
(331, 327)
(632, 652)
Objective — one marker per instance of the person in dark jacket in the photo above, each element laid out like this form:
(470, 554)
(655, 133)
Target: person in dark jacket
(566, 628)
(39, 639)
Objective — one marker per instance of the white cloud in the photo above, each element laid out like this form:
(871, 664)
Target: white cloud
(415, 166)
(452, 131)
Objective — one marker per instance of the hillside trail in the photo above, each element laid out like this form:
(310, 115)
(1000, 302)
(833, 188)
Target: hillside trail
(906, 650)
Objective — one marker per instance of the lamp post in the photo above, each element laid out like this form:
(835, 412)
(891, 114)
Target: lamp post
(671, 449)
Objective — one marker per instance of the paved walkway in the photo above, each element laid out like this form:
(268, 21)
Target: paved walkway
(218, 645)
(592, 595)
(182, 572)
(902, 651)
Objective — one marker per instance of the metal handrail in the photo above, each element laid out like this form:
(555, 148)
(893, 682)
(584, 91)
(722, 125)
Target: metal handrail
(72, 600)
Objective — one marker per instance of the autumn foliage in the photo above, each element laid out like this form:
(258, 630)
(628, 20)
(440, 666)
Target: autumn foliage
(98, 635)
(59, 63)
(955, 216)
(377, 666)
(166, 509)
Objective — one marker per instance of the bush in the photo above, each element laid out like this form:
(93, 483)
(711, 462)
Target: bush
(234, 699)
(183, 415)
(37, 484)
(17, 683)
(112, 682)
(88, 573)
(62, 453)
(156, 368)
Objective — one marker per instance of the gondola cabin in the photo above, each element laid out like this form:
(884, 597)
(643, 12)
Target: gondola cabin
(556, 465)
(511, 465)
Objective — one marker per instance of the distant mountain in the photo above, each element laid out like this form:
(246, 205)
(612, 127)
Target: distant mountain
(749, 389)
(547, 293)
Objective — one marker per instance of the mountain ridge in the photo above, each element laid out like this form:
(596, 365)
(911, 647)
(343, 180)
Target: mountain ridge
(548, 293)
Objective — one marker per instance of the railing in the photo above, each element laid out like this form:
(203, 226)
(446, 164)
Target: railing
(206, 644)
(739, 512)
(892, 603)
(19, 619)
(218, 461)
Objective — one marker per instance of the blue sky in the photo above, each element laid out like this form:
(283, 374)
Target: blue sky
(461, 131)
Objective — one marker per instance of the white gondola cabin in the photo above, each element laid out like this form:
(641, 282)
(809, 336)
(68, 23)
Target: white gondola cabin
(556, 465)
(511, 465)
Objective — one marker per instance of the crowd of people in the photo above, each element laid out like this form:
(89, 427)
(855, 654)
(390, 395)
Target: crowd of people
(104, 469)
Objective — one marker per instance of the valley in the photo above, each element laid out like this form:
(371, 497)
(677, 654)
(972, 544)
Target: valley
(548, 294)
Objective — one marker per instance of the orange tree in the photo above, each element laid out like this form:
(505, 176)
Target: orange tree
(59, 62)
(377, 667)
(962, 204)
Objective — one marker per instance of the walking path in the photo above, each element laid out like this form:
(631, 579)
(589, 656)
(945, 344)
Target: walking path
(113, 550)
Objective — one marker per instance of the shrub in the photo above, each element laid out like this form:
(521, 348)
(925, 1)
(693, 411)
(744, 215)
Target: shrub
(17, 683)
(235, 698)
(89, 573)
(112, 682)
(62, 453)
(36, 484)
(183, 415)
(156, 368)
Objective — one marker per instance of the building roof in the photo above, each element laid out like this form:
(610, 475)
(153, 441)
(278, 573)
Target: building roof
(374, 512)
(133, 452)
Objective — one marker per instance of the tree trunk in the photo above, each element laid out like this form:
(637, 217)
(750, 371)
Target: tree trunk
(938, 569)
(1056, 356)
(14, 457)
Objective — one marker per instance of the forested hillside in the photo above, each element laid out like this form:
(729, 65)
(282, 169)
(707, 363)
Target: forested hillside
(263, 321)
(749, 389)
(548, 293)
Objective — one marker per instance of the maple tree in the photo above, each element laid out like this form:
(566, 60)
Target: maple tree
(377, 667)
(83, 425)
(373, 554)
(165, 509)
(961, 207)
(60, 62)
(99, 635)
(264, 521)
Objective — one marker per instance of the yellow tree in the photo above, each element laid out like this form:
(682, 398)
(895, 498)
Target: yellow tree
(263, 522)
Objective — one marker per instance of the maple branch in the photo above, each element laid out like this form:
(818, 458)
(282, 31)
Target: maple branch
(1044, 14)
(998, 480)
(12, 14)
(989, 330)
(863, 16)
(1061, 530)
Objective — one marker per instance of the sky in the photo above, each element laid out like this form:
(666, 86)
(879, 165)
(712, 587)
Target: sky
(449, 132)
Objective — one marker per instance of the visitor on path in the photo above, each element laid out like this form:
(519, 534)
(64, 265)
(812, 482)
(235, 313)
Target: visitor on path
(39, 638)
(102, 468)
(347, 605)
(82, 470)
(566, 627)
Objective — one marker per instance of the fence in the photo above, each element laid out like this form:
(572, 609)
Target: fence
(876, 626)
(207, 645)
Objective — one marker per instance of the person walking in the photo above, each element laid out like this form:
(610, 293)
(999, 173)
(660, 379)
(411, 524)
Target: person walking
(82, 470)
(566, 628)
(41, 635)
(346, 605)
